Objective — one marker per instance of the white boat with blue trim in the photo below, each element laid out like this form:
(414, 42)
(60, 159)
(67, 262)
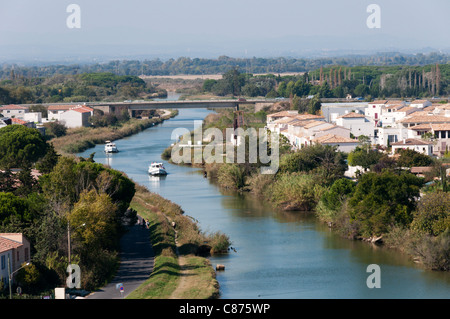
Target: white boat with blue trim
(157, 169)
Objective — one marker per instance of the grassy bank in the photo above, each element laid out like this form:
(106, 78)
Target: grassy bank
(180, 270)
(80, 139)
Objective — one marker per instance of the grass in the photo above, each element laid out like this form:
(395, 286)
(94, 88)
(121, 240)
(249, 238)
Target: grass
(182, 275)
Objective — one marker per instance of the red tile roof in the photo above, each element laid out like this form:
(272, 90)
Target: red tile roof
(82, 109)
(412, 141)
(18, 121)
(7, 244)
(13, 107)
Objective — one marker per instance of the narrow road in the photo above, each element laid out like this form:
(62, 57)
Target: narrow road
(136, 264)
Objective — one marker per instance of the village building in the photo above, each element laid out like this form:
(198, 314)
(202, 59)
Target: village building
(76, 117)
(14, 252)
(13, 111)
(418, 145)
(343, 144)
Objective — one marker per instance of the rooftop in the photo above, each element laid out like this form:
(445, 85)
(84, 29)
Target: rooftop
(379, 102)
(7, 243)
(352, 115)
(13, 107)
(425, 119)
(283, 114)
(412, 141)
(332, 138)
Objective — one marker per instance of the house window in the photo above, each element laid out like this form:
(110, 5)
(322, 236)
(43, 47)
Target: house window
(442, 134)
(3, 262)
(18, 256)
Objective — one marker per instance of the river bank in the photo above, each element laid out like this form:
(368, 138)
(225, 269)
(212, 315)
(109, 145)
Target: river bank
(278, 254)
(312, 180)
(77, 140)
(179, 271)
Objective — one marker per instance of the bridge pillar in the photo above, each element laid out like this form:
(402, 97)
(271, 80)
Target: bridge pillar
(131, 113)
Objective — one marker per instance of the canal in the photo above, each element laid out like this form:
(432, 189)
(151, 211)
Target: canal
(277, 255)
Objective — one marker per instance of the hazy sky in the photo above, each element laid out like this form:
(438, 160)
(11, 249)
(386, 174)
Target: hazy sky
(38, 29)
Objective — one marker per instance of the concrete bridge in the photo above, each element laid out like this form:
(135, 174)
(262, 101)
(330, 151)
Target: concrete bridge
(132, 106)
(114, 107)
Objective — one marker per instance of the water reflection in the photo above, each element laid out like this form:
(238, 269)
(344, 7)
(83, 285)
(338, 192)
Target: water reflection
(155, 181)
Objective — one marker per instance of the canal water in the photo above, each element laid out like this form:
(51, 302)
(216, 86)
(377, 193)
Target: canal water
(276, 255)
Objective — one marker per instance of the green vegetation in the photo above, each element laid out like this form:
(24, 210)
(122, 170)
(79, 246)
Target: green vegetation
(83, 87)
(337, 81)
(222, 64)
(90, 198)
(178, 245)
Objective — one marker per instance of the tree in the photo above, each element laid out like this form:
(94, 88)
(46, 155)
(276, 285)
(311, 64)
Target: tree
(314, 104)
(363, 156)
(410, 158)
(433, 213)
(12, 206)
(46, 164)
(20, 145)
(98, 214)
(384, 200)
(55, 129)
(323, 160)
(338, 192)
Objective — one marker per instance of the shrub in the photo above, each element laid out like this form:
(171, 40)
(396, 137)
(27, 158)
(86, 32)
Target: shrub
(433, 213)
(296, 191)
(231, 176)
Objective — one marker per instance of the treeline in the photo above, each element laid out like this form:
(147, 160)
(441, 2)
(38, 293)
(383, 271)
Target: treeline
(366, 82)
(73, 197)
(19, 89)
(185, 65)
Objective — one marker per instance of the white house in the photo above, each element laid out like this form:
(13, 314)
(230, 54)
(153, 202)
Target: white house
(14, 251)
(13, 111)
(388, 135)
(394, 113)
(344, 144)
(357, 123)
(54, 111)
(418, 145)
(420, 103)
(439, 132)
(331, 111)
(35, 117)
(76, 117)
(279, 115)
(374, 109)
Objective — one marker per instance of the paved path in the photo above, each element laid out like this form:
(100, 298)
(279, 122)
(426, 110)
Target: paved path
(136, 264)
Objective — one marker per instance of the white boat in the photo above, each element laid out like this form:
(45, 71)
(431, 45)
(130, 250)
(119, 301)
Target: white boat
(157, 169)
(110, 147)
